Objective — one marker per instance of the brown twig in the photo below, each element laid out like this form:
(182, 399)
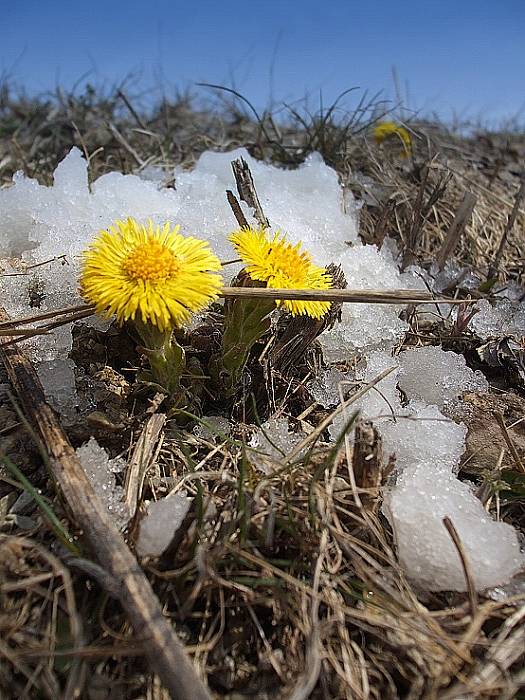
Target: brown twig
(42, 330)
(236, 208)
(346, 296)
(167, 655)
(342, 296)
(456, 228)
(247, 191)
(369, 296)
(508, 228)
(458, 544)
(143, 457)
(46, 314)
(510, 444)
(132, 110)
(129, 148)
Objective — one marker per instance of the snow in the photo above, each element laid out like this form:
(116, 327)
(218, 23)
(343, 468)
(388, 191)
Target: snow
(42, 223)
(367, 326)
(422, 498)
(437, 377)
(272, 442)
(212, 427)
(505, 317)
(453, 274)
(325, 387)
(422, 433)
(161, 522)
(58, 381)
(381, 401)
(427, 446)
(101, 470)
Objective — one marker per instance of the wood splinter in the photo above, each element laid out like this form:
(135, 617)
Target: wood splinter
(247, 191)
(367, 463)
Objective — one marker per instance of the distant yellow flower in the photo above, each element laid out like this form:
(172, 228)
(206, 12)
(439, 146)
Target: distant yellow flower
(387, 130)
(282, 266)
(149, 272)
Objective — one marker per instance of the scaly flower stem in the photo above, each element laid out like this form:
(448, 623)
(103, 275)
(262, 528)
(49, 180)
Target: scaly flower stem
(167, 358)
(245, 321)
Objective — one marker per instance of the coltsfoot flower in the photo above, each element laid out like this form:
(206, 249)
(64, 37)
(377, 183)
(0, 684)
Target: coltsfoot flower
(149, 273)
(386, 130)
(282, 265)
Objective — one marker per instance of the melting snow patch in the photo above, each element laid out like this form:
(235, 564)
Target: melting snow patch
(101, 470)
(325, 387)
(272, 443)
(212, 427)
(423, 496)
(380, 402)
(160, 524)
(504, 318)
(437, 377)
(423, 433)
(41, 223)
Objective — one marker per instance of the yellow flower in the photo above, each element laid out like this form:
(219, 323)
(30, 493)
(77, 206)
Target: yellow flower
(387, 129)
(282, 266)
(150, 272)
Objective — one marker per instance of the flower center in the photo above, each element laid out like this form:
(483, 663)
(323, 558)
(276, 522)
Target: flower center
(152, 262)
(287, 263)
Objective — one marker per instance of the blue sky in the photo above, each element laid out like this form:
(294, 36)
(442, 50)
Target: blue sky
(461, 56)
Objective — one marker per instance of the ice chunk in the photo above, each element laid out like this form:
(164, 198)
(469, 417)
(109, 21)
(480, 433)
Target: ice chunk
(161, 522)
(362, 326)
(100, 470)
(153, 173)
(416, 507)
(505, 317)
(71, 175)
(272, 443)
(381, 401)
(325, 387)
(290, 199)
(453, 274)
(509, 290)
(211, 426)
(423, 434)
(515, 587)
(368, 326)
(18, 204)
(437, 377)
(119, 196)
(58, 381)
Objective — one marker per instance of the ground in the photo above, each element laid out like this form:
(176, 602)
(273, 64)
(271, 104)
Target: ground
(282, 587)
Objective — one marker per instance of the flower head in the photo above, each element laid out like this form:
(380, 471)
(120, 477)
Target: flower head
(282, 266)
(386, 130)
(150, 272)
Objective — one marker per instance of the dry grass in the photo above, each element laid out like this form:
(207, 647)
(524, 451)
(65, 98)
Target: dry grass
(284, 585)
